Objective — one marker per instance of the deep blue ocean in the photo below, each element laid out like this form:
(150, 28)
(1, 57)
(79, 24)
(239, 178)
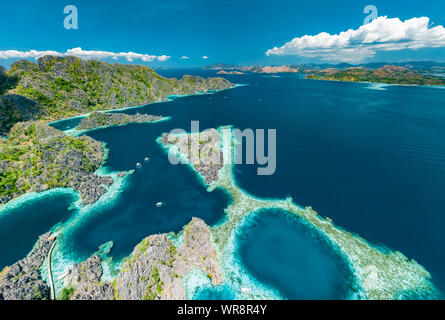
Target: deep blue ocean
(371, 158)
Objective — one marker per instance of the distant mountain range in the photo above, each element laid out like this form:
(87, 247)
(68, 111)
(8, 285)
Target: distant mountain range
(386, 74)
(411, 72)
(422, 66)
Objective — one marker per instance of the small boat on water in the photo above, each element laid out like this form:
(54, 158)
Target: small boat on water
(159, 204)
(147, 159)
(138, 165)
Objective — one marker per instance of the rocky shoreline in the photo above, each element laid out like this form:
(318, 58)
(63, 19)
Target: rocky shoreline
(36, 157)
(101, 119)
(229, 72)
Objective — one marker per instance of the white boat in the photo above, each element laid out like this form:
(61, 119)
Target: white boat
(146, 159)
(159, 204)
(138, 165)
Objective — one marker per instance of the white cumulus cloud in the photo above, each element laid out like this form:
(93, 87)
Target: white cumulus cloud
(85, 54)
(382, 34)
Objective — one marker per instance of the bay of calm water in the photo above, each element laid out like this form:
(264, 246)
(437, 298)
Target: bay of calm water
(372, 160)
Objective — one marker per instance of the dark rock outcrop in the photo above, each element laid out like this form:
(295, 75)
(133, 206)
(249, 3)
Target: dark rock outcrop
(85, 280)
(22, 280)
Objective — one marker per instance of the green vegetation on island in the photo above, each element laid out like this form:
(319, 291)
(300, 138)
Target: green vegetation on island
(61, 87)
(37, 157)
(386, 74)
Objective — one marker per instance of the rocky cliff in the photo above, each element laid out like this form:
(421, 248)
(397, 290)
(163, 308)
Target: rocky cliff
(67, 86)
(22, 280)
(37, 157)
(15, 108)
(154, 271)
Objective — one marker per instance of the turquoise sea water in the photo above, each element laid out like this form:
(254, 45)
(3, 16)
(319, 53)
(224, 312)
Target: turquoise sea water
(372, 160)
(221, 292)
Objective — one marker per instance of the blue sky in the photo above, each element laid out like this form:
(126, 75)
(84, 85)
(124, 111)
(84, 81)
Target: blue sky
(228, 31)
